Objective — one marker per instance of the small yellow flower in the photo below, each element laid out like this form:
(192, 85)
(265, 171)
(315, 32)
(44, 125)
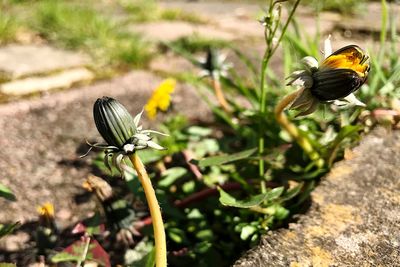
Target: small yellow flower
(46, 210)
(161, 98)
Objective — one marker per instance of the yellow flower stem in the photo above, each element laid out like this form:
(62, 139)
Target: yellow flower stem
(282, 119)
(219, 94)
(155, 212)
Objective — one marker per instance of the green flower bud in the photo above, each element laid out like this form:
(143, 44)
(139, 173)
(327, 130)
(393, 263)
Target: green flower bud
(113, 122)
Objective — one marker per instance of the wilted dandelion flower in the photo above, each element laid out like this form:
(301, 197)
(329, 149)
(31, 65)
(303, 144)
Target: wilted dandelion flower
(122, 133)
(333, 81)
(161, 98)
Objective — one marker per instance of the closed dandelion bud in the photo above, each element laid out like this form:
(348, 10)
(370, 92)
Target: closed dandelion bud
(113, 121)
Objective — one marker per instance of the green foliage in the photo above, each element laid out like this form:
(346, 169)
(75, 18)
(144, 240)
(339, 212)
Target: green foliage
(253, 201)
(8, 28)
(6, 193)
(6, 229)
(346, 7)
(215, 198)
(196, 43)
(148, 10)
(223, 159)
(78, 26)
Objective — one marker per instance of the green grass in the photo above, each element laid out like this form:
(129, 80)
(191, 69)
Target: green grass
(196, 43)
(8, 28)
(78, 26)
(148, 10)
(345, 7)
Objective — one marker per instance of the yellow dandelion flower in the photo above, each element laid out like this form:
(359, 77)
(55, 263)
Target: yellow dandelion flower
(46, 210)
(161, 98)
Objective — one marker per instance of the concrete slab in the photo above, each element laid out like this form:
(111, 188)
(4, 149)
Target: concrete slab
(167, 31)
(18, 61)
(354, 216)
(61, 80)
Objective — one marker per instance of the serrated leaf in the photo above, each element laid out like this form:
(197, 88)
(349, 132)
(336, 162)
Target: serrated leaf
(6, 193)
(228, 200)
(223, 159)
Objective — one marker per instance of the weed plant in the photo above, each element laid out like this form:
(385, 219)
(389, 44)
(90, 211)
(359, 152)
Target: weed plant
(222, 185)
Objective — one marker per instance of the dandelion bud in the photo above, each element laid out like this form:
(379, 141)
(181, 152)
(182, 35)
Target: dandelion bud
(113, 121)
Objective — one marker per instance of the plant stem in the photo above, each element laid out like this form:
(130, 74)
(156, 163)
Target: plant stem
(155, 212)
(219, 94)
(85, 252)
(282, 119)
(269, 51)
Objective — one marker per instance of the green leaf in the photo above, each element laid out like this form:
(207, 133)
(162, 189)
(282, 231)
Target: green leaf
(345, 132)
(171, 175)
(142, 255)
(4, 264)
(223, 159)
(6, 193)
(247, 231)
(206, 235)
(202, 247)
(199, 131)
(228, 200)
(64, 256)
(151, 258)
(291, 193)
(149, 155)
(177, 235)
(6, 229)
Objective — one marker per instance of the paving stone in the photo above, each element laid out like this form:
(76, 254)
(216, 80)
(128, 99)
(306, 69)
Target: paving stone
(61, 80)
(166, 31)
(41, 140)
(214, 9)
(354, 216)
(18, 61)
(171, 63)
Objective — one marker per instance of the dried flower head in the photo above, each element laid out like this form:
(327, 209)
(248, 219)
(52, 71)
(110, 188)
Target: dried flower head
(333, 81)
(122, 132)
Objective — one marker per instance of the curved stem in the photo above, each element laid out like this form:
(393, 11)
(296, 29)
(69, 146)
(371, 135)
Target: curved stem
(282, 119)
(155, 212)
(220, 95)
